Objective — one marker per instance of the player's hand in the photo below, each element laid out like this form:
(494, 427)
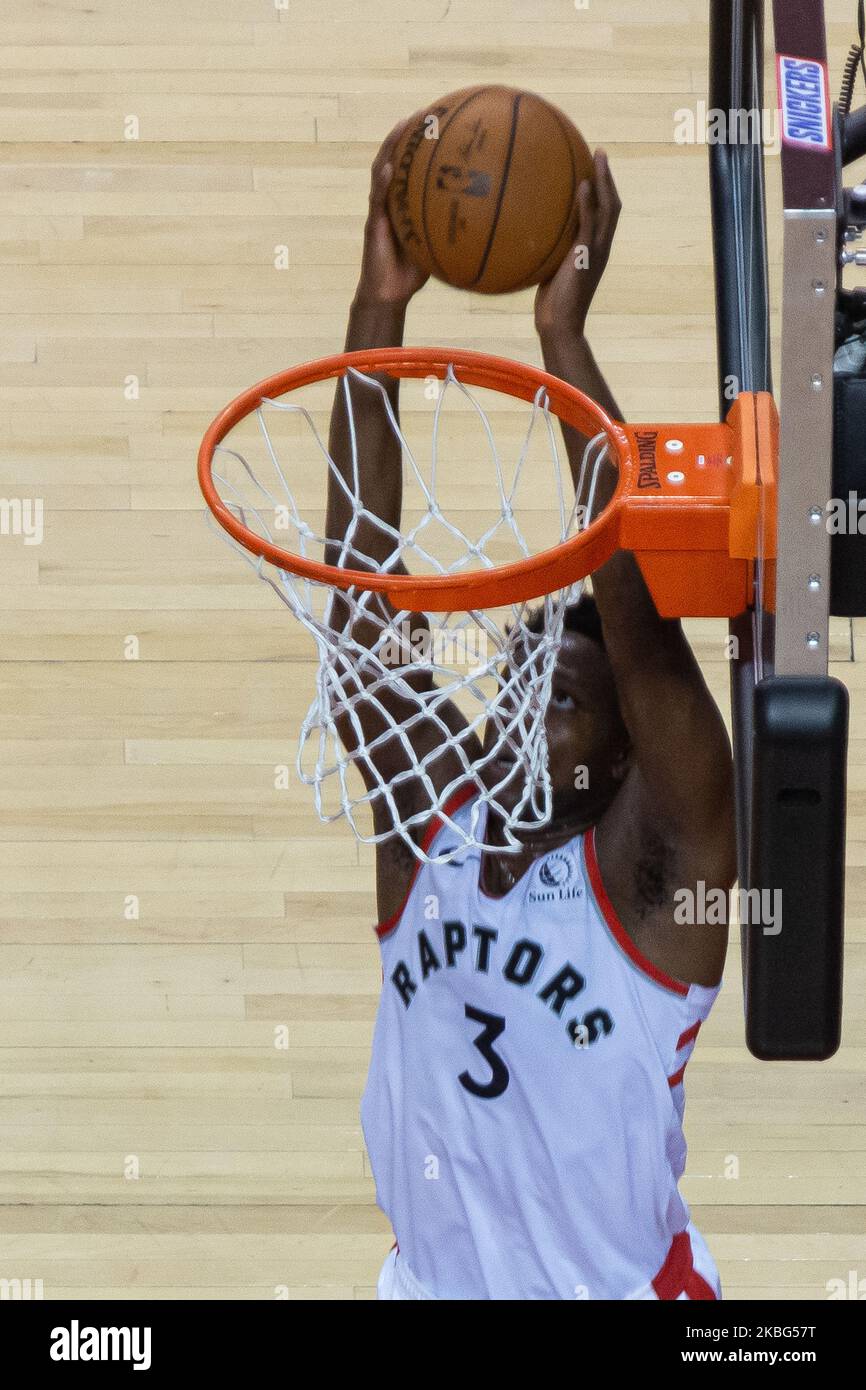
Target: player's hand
(562, 303)
(387, 275)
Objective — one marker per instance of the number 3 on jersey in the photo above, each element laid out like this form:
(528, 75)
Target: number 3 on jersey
(494, 1024)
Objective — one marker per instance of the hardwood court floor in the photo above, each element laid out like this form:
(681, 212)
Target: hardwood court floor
(155, 1141)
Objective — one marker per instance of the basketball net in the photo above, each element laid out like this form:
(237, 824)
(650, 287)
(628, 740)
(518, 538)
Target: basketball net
(385, 681)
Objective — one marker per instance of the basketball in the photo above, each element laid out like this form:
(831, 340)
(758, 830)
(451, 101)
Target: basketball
(484, 192)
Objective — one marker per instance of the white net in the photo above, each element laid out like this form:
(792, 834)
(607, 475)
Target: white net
(411, 708)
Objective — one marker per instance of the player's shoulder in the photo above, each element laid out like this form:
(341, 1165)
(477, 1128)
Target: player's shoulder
(398, 863)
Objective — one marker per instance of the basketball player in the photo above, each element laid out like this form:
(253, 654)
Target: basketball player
(524, 1104)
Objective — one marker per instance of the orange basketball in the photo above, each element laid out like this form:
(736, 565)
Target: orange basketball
(484, 193)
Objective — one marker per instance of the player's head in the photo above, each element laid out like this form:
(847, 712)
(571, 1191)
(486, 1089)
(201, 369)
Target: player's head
(588, 744)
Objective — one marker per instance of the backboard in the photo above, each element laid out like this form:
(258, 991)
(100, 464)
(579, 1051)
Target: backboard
(789, 716)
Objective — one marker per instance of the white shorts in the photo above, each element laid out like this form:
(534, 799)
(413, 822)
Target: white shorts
(396, 1280)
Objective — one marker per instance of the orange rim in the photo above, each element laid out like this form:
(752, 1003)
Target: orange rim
(539, 574)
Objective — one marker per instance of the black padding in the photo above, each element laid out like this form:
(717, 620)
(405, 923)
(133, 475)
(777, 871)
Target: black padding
(848, 547)
(793, 977)
(854, 136)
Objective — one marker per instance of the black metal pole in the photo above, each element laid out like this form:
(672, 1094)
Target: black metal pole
(738, 204)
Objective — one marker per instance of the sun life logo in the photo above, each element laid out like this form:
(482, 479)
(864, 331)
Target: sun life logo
(555, 871)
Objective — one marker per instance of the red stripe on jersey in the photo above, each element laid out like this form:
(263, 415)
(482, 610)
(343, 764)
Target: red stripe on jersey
(687, 1036)
(618, 931)
(697, 1286)
(678, 1274)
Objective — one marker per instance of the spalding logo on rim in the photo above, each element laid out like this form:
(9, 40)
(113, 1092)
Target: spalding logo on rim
(804, 95)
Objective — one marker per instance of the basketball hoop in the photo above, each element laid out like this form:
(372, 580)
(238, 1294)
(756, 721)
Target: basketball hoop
(690, 516)
(694, 503)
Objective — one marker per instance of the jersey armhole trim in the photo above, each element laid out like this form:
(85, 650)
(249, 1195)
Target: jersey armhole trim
(617, 930)
(685, 1040)
(453, 804)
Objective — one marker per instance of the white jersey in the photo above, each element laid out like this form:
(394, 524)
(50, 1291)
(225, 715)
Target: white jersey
(524, 1103)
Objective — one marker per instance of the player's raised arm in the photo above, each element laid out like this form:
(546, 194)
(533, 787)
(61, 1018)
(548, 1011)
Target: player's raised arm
(683, 781)
(367, 441)
(376, 319)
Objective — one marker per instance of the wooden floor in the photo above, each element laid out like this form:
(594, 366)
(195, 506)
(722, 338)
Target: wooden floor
(155, 1138)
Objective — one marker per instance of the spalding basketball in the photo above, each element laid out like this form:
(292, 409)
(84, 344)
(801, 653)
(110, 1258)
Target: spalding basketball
(484, 191)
